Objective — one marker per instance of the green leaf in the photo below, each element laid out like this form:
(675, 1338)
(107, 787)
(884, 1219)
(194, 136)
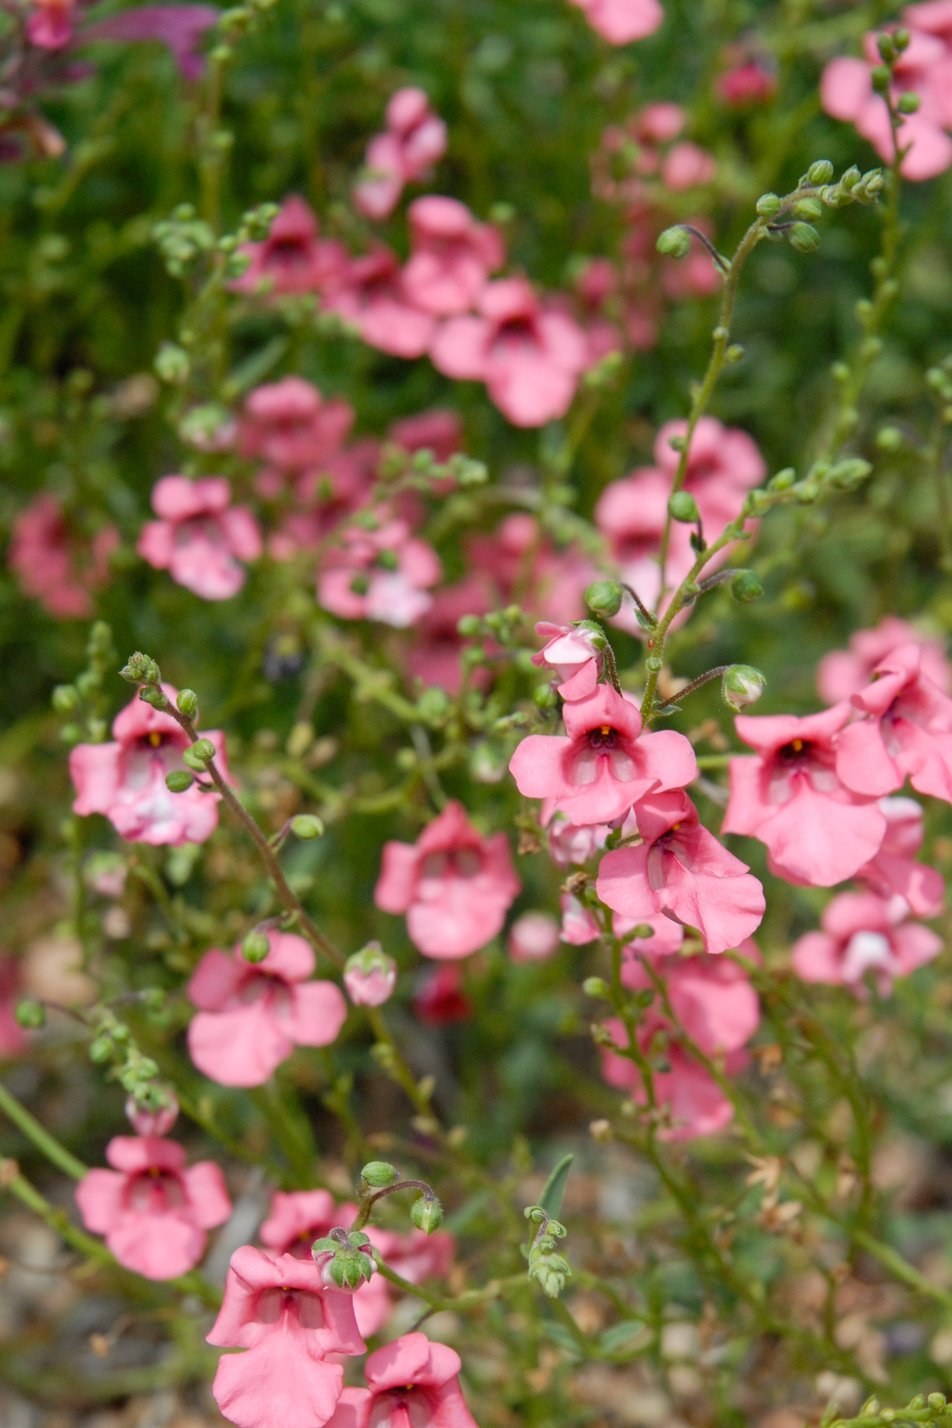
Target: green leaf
(619, 1335)
(551, 1197)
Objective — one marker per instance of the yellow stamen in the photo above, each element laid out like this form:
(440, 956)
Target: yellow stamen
(155, 739)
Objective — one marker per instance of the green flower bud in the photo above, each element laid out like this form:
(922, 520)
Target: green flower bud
(683, 507)
(306, 826)
(178, 781)
(850, 178)
(187, 703)
(140, 669)
(193, 760)
(804, 237)
(204, 749)
(880, 77)
(848, 474)
(172, 363)
(820, 171)
(544, 696)
(153, 696)
(30, 1014)
(468, 626)
(886, 46)
(901, 38)
(908, 103)
(433, 705)
(674, 242)
(255, 947)
(597, 987)
(741, 685)
(769, 205)
(889, 438)
(379, 1174)
(604, 597)
(100, 1049)
(426, 1212)
(65, 698)
(746, 586)
(808, 208)
(783, 480)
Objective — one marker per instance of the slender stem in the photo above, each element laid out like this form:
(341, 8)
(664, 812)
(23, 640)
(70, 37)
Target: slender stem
(56, 1153)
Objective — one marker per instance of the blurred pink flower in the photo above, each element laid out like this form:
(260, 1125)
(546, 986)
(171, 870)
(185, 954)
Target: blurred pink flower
(894, 872)
(382, 574)
(530, 356)
(373, 298)
(125, 779)
(50, 25)
(451, 256)
(601, 767)
(288, 1322)
(864, 933)
(925, 69)
(52, 563)
(413, 141)
(199, 538)
(153, 1212)
(844, 672)
(370, 976)
(621, 21)
(293, 258)
(454, 885)
(179, 27)
(440, 999)
(288, 424)
(252, 1015)
(533, 937)
(414, 1383)
(904, 731)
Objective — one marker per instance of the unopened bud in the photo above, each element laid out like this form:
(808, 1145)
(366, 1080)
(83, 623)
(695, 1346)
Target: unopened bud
(683, 507)
(804, 237)
(178, 781)
(769, 205)
(426, 1212)
(255, 947)
(674, 242)
(306, 826)
(908, 103)
(370, 976)
(746, 586)
(820, 171)
(741, 685)
(379, 1174)
(30, 1014)
(187, 703)
(140, 669)
(603, 597)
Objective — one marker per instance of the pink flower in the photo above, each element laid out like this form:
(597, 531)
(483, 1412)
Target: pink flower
(600, 767)
(529, 356)
(51, 562)
(153, 1120)
(50, 26)
(749, 83)
(533, 937)
(454, 885)
(291, 426)
(153, 1212)
(621, 21)
(790, 797)
(414, 140)
(724, 463)
(288, 1322)
(435, 657)
(925, 68)
(863, 932)
(413, 1383)
(179, 27)
(125, 779)
(373, 299)
(844, 672)
(438, 430)
(632, 513)
(252, 1015)
(893, 872)
(575, 653)
(13, 1039)
(451, 256)
(293, 259)
(717, 1010)
(297, 1219)
(681, 870)
(440, 999)
(906, 731)
(199, 539)
(380, 574)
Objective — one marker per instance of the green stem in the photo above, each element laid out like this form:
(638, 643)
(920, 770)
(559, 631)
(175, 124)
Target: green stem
(56, 1153)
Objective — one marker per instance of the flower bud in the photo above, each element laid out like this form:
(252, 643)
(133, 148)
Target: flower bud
(140, 669)
(908, 102)
(193, 761)
(370, 976)
(426, 1212)
(741, 685)
(746, 586)
(603, 597)
(187, 703)
(683, 507)
(172, 363)
(255, 947)
(880, 77)
(769, 205)
(306, 826)
(30, 1014)
(156, 1114)
(674, 242)
(178, 780)
(820, 171)
(379, 1174)
(65, 698)
(804, 237)
(344, 1259)
(204, 749)
(808, 207)
(597, 987)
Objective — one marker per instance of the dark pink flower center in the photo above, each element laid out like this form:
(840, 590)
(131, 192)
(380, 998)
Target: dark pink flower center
(268, 989)
(597, 750)
(452, 863)
(154, 1191)
(299, 1305)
